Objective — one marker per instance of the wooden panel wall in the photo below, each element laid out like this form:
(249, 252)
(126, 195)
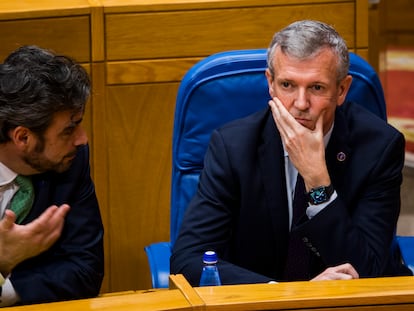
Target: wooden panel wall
(137, 52)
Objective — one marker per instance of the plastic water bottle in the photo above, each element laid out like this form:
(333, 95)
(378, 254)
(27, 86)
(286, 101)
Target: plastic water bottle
(210, 274)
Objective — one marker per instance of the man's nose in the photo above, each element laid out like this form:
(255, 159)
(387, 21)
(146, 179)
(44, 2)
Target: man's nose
(81, 136)
(301, 100)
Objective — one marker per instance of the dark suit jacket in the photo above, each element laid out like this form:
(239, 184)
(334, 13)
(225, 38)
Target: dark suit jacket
(73, 267)
(240, 208)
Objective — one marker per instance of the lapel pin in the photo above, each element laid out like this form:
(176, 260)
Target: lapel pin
(341, 156)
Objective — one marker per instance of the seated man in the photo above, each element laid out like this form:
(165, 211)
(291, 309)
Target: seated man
(51, 232)
(347, 161)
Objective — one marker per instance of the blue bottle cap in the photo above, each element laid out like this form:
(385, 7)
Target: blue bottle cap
(210, 257)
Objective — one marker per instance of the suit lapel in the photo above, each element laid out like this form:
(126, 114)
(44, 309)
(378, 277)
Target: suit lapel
(271, 163)
(338, 151)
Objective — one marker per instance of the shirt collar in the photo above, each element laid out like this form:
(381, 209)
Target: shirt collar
(328, 135)
(6, 175)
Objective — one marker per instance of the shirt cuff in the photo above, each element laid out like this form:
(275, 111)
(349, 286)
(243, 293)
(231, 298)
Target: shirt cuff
(8, 295)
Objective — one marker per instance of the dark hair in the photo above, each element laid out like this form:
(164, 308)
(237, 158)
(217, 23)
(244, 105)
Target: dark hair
(35, 84)
(304, 39)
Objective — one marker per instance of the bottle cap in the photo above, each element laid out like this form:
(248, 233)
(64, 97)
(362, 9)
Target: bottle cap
(210, 257)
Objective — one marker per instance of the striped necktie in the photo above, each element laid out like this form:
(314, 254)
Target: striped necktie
(23, 199)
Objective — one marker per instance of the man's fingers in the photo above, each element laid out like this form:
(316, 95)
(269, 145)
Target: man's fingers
(8, 220)
(63, 210)
(342, 272)
(281, 117)
(348, 269)
(53, 213)
(319, 123)
(332, 276)
(49, 224)
(275, 110)
(277, 107)
(47, 228)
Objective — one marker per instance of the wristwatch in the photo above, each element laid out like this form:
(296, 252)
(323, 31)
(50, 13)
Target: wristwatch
(320, 195)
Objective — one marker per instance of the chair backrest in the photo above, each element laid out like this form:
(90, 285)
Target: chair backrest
(231, 85)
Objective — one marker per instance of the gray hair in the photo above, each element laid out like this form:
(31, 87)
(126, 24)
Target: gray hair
(303, 39)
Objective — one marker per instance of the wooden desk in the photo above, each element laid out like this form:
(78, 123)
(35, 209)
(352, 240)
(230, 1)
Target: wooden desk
(141, 300)
(381, 294)
(393, 294)
(137, 52)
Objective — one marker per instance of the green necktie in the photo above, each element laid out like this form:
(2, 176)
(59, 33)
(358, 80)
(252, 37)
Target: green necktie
(22, 200)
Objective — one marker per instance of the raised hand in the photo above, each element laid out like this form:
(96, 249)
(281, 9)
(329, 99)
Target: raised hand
(20, 242)
(305, 146)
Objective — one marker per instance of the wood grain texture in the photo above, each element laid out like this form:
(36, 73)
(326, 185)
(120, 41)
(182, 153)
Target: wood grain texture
(166, 34)
(138, 128)
(69, 35)
(389, 293)
(381, 294)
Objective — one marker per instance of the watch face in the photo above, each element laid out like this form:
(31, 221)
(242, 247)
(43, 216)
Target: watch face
(319, 195)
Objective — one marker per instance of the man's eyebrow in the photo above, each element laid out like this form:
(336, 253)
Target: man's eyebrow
(76, 122)
(72, 125)
(293, 81)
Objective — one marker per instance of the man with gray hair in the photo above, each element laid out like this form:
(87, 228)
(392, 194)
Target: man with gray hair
(297, 190)
(51, 232)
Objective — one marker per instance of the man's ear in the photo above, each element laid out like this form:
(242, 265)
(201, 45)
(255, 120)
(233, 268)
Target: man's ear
(343, 89)
(20, 136)
(269, 78)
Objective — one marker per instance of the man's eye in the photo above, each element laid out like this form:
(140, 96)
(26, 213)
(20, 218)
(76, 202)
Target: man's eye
(68, 131)
(317, 87)
(285, 84)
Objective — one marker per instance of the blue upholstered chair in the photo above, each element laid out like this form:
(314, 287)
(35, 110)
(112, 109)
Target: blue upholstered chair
(218, 89)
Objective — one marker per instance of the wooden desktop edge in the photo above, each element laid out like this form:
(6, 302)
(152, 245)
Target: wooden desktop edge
(390, 293)
(385, 294)
(178, 281)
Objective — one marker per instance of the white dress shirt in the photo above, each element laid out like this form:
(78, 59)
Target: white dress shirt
(8, 188)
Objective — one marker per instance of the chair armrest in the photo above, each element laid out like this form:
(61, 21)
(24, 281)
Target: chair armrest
(406, 244)
(158, 255)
